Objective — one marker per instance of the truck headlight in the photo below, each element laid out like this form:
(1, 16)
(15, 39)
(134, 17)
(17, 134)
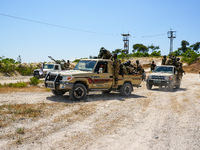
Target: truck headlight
(67, 78)
(149, 76)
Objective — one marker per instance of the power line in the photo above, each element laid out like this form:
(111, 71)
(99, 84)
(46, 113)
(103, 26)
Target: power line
(54, 25)
(70, 28)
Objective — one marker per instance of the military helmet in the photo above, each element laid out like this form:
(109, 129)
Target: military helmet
(128, 62)
(164, 56)
(114, 55)
(137, 61)
(178, 59)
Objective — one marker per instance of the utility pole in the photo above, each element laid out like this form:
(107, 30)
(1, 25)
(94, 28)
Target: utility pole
(171, 35)
(126, 42)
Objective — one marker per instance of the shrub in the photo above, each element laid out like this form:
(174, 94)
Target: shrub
(34, 81)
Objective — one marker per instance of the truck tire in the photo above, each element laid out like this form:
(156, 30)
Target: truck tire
(78, 92)
(149, 86)
(170, 87)
(178, 85)
(58, 93)
(126, 89)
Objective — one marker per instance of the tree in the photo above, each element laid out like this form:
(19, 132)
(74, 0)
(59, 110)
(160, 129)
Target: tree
(140, 48)
(153, 48)
(184, 47)
(117, 51)
(195, 46)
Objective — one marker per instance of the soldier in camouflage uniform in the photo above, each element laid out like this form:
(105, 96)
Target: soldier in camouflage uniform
(128, 67)
(139, 67)
(180, 71)
(170, 61)
(104, 54)
(116, 68)
(164, 60)
(153, 66)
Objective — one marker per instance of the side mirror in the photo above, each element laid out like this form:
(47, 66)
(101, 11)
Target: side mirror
(100, 70)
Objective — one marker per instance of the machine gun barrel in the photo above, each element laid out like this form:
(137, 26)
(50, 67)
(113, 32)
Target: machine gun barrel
(53, 60)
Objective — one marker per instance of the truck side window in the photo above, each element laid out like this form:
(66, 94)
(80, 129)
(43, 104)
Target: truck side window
(101, 67)
(56, 67)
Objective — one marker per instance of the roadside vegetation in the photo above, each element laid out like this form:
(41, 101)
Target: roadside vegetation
(189, 53)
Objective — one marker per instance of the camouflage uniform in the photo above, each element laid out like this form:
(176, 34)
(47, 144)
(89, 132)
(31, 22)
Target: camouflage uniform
(129, 70)
(153, 66)
(107, 55)
(163, 61)
(169, 62)
(139, 68)
(116, 68)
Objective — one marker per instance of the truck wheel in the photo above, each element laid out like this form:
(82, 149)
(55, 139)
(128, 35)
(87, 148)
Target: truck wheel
(78, 92)
(170, 87)
(126, 89)
(58, 93)
(149, 86)
(178, 85)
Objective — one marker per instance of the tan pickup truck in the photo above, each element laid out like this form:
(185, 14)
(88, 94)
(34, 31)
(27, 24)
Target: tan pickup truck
(88, 76)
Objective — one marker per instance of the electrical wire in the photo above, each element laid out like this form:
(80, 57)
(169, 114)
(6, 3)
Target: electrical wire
(69, 28)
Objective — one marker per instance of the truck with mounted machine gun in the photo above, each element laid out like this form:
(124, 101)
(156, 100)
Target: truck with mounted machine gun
(46, 68)
(88, 76)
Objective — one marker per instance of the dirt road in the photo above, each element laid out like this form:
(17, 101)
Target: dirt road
(148, 119)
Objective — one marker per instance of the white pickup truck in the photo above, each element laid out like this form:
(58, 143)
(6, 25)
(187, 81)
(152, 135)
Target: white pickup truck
(165, 75)
(41, 73)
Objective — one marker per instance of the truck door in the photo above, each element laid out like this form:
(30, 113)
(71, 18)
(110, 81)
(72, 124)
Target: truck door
(102, 78)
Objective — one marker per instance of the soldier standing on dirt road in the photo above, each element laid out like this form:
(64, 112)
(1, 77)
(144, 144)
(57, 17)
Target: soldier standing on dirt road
(116, 68)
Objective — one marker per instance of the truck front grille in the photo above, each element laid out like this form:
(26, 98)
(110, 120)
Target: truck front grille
(52, 77)
(158, 77)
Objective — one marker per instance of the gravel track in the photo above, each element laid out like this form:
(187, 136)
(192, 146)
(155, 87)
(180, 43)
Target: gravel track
(148, 119)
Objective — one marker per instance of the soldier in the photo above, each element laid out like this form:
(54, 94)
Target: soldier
(164, 60)
(104, 54)
(66, 64)
(180, 71)
(116, 68)
(153, 66)
(169, 61)
(139, 67)
(128, 67)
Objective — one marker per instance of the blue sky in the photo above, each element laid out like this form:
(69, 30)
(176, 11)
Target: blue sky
(92, 24)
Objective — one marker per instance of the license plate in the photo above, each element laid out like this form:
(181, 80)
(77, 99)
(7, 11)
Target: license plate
(50, 85)
(157, 81)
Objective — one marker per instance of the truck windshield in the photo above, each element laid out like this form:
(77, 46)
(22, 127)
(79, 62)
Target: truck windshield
(164, 69)
(48, 66)
(85, 65)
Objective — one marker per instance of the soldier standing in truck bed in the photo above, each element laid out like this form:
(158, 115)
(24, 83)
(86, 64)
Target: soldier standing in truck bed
(164, 60)
(153, 66)
(116, 68)
(104, 54)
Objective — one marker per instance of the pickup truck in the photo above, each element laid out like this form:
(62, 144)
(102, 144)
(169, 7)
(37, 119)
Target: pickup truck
(87, 76)
(165, 75)
(46, 69)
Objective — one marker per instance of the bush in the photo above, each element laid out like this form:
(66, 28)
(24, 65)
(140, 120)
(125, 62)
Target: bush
(155, 53)
(34, 81)
(189, 56)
